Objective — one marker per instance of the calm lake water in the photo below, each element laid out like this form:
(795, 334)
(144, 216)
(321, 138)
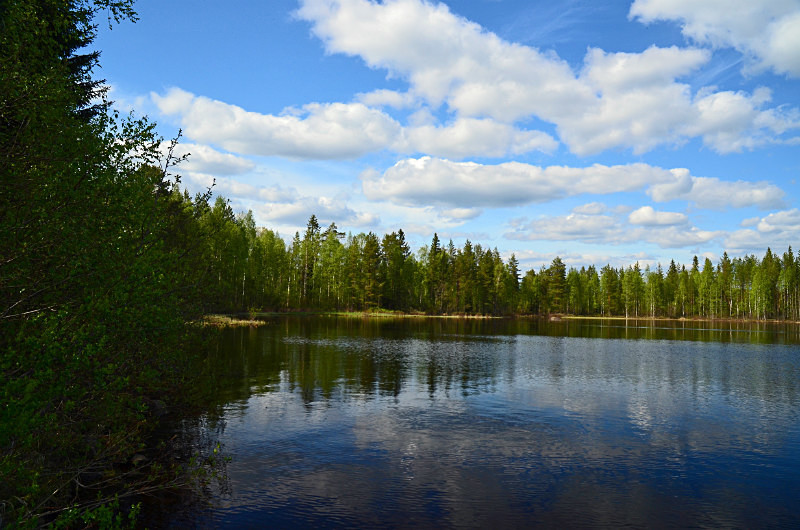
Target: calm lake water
(342, 422)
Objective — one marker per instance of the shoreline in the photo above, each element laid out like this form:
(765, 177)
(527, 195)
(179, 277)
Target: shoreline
(684, 319)
(255, 318)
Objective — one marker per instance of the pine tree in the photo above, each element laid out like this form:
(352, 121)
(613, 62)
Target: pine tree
(529, 293)
(725, 284)
(371, 271)
(556, 285)
(329, 273)
(609, 285)
(671, 281)
(310, 245)
(575, 294)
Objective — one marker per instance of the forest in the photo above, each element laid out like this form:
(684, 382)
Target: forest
(106, 264)
(98, 277)
(325, 270)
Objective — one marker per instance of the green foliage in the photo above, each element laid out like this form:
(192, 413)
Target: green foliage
(363, 273)
(99, 260)
(106, 515)
(396, 271)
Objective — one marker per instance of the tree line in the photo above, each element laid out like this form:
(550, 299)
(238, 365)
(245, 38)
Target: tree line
(326, 270)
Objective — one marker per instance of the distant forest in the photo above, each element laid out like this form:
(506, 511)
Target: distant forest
(325, 270)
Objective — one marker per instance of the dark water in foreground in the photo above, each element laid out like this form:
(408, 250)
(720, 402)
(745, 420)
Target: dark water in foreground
(336, 422)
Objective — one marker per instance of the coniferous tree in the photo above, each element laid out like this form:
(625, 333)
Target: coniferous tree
(486, 289)
(329, 274)
(654, 289)
(633, 290)
(310, 256)
(294, 287)
(671, 282)
(593, 293)
(512, 284)
(396, 271)
(610, 288)
(725, 284)
(788, 281)
(575, 294)
(371, 271)
(529, 293)
(556, 285)
(465, 272)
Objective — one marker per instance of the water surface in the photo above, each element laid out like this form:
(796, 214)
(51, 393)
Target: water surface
(337, 422)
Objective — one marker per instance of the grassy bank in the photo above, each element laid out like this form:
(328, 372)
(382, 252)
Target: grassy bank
(253, 318)
(224, 321)
(680, 319)
(256, 318)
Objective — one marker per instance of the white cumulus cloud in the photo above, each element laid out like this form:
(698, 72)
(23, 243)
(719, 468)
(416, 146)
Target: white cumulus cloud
(471, 137)
(323, 131)
(462, 214)
(767, 32)
(327, 209)
(618, 100)
(340, 131)
(787, 221)
(592, 208)
(386, 98)
(665, 229)
(233, 188)
(571, 227)
(205, 159)
(427, 180)
(647, 216)
(716, 194)
(777, 230)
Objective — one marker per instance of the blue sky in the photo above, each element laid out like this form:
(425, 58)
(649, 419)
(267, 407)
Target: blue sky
(601, 132)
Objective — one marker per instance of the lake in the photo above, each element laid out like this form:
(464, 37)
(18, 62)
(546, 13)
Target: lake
(348, 422)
